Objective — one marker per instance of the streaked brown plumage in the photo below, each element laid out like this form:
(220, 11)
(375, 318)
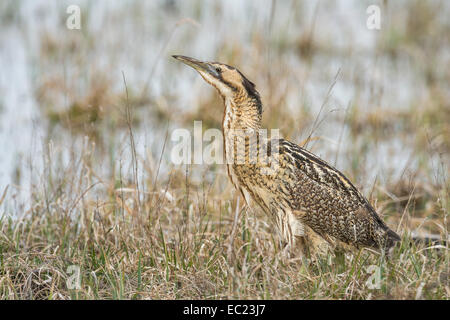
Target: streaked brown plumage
(304, 195)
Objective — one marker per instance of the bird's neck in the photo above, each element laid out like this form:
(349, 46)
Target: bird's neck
(242, 112)
(241, 128)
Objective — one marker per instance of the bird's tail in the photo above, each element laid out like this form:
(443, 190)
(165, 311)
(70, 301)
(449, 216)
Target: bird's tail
(385, 238)
(390, 238)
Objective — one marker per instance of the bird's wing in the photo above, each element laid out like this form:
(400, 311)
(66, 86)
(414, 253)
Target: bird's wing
(331, 202)
(320, 171)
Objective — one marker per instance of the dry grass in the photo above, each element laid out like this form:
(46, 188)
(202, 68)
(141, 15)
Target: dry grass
(179, 243)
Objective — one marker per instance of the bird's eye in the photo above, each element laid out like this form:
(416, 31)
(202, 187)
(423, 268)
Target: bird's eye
(218, 70)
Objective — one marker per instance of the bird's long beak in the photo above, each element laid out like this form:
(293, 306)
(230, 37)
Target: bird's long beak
(200, 66)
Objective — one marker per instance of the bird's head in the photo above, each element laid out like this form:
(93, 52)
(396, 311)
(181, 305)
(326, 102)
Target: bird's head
(228, 80)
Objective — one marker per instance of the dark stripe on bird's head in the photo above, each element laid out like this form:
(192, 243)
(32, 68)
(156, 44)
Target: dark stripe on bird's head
(251, 91)
(248, 85)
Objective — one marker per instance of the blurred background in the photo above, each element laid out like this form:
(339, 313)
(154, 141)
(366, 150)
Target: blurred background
(377, 101)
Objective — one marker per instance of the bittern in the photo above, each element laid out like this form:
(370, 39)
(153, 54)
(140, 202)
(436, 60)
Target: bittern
(307, 197)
